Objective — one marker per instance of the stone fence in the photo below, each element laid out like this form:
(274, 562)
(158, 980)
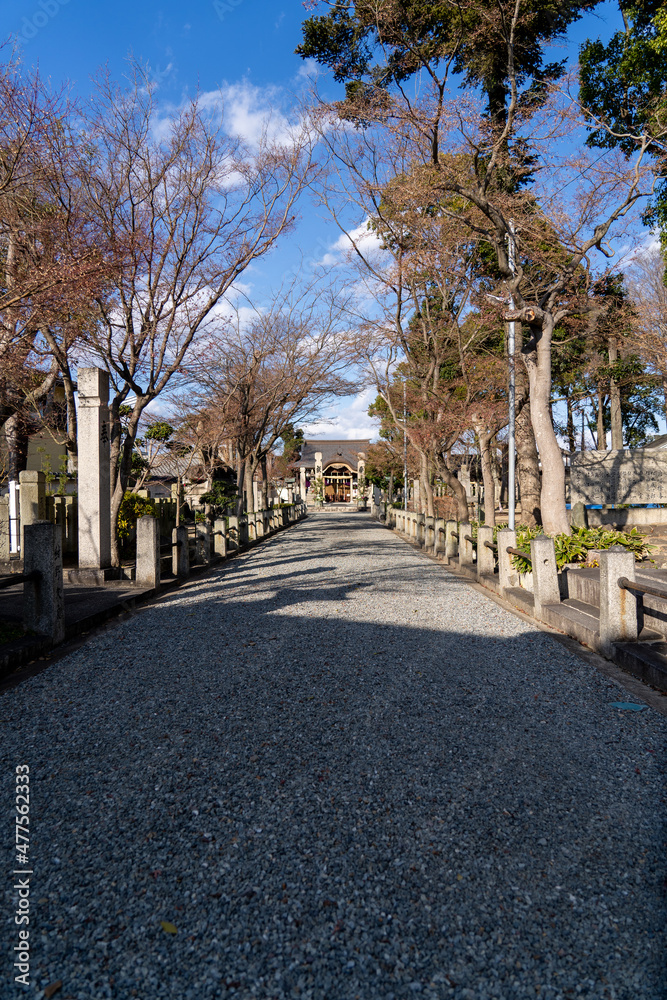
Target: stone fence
(607, 609)
(36, 505)
(42, 573)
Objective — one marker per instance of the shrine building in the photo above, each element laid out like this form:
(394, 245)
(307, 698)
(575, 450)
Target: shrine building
(340, 465)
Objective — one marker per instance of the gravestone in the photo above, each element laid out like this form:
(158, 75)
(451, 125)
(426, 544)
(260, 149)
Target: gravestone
(464, 479)
(618, 477)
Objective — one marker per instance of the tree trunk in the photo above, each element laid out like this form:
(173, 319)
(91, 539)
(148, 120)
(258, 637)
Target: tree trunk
(528, 469)
(390, 496)
(537, 358)
(615, 402)
(248, 479)
(485, 438)
(17, 437)
(457, 488)
(601, 434)
(426, 490)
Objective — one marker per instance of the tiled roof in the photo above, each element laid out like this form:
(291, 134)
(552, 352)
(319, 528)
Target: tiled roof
(333, 453)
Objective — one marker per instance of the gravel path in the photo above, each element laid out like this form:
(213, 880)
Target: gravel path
(340, 773)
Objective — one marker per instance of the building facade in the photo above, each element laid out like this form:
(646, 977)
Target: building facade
(332, 471)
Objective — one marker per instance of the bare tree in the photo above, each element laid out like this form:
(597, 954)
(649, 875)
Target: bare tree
(195, 208)
(279, 369)
(53, 258)
(474, 167)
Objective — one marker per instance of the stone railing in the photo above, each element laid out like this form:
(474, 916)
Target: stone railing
(623, 597)
(42, 575)
(207, 544)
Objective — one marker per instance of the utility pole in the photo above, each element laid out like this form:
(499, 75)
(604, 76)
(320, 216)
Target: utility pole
(511, 444)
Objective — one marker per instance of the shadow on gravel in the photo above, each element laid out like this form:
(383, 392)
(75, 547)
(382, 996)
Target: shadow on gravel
(339, 809)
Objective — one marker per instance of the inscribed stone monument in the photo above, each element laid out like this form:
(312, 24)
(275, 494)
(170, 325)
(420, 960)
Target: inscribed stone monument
(618, 477)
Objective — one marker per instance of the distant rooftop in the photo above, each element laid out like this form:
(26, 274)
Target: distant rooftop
(333, 452)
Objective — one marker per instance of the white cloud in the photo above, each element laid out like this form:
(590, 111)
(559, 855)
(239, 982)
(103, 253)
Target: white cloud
(308, 69)
(250, 113)
(347, 420)
(361, 238)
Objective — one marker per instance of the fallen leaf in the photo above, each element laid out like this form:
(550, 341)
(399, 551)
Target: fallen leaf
(168, 928)
(53, 988)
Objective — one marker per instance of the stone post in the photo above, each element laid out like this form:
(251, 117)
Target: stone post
(252, 527)
(4, 531)
(180, 560)
(451, 544)
(43, 597)
(620, 610)
(545, 573)
(202, 544)
(148, 552)
(438, 536)
(234, 540)
(486, 559)
(466, 547)
(420, 529)
(302, 483)
(32, 499)
(429, 532)
(220, 538)
(508, 576)
(318, 469)
(93, 472)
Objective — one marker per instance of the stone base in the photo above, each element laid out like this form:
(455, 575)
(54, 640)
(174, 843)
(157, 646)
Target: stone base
(90, 577)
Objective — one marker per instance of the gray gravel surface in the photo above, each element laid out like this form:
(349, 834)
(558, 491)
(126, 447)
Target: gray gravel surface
(340, 773)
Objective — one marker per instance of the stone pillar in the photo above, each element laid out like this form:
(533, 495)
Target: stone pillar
(302, 483)
(420, 529)
(486, 560)
(234, 540)
(545, 573)
(180, 560)
(148, 552)
(94, 474)
(4, 531)
(508, 576)
(32, 499)
(438, 536)
(43, 597)
(451, 544)
(429, 532)
(220, 538)
(620, 610)
(465, 545)
(203, 544)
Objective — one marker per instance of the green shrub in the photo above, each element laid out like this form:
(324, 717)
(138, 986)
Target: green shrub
(132, 507)
(574, 548)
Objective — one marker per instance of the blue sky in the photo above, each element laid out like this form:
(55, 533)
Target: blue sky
(244, 46)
